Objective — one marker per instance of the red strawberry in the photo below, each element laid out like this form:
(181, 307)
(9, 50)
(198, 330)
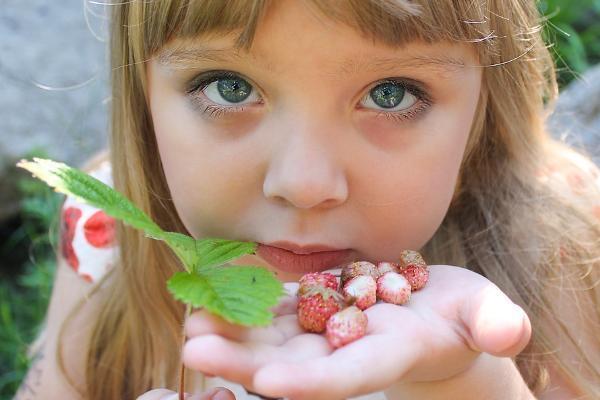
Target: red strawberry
(394, 288)
(361, 291)
(353, 269)
(346, 326)
(411, 257)
(324, 279)
(384, 266)
(315, 307)
(416, 275)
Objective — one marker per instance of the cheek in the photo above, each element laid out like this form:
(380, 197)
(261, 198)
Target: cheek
(209, 188)
(408, 213)
(416, 181)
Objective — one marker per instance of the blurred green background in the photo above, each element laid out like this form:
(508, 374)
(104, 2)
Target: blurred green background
(29, 241)
(574, 29)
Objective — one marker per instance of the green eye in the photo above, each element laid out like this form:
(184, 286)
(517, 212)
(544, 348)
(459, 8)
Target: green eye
(398, 99)
(223, 88)
(234, 90)
(387, 94)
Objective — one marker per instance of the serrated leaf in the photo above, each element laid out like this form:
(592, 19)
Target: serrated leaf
(90, 190)
(184, 246)
(215, 251)
(240, 295)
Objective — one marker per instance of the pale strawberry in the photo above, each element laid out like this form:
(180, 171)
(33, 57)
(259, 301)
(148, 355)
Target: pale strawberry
(394, 288)
(357, 268)
(346, 326)
(416, 275)
(324, 279)
(361, 291)
(411, 257)
(385, 266)
(316, 306)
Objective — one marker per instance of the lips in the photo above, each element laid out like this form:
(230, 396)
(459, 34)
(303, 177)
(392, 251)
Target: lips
(305, 249)
(292, 258)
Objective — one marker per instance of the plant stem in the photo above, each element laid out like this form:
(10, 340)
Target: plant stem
(188, 311)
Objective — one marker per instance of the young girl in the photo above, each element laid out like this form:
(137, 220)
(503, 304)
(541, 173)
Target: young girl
(374, 126)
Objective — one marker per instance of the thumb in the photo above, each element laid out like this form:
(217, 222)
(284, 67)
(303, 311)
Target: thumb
(494, 323)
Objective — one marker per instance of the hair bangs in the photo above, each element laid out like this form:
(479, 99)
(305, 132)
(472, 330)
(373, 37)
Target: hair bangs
(391, 22)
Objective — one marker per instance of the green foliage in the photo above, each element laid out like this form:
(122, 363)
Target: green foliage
(217, 252)
(229, 288)
(574, 30)
(24, 298)
(252, 290)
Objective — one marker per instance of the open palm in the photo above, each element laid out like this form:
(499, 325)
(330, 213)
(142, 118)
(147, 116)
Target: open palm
(438, 334)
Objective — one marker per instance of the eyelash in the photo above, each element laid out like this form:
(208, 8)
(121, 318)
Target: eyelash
(215, 111)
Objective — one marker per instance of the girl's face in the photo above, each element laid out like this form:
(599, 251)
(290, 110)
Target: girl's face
(316, 135)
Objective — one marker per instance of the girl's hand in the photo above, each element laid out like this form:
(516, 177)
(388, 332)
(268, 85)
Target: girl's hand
(165, 394)
(437, 335)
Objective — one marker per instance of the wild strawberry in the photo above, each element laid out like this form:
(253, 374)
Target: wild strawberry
(411, 257)
(416, 275)
(384, 266)
(324, 279)
(346, 326)
(356, 268)
(361, 291)
(315, 307)
(394, 288)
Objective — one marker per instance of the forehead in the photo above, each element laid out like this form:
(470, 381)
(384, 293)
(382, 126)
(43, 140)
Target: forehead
(441, 57)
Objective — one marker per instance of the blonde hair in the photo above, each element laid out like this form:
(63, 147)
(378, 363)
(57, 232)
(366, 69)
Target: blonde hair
(503, 223)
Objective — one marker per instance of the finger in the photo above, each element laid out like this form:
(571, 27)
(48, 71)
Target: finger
(219, 356)
(238, 362)
(361, 367)
(278, 332)
(494, 324)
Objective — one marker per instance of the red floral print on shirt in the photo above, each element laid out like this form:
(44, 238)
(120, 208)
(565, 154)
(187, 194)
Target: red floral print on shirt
(99, 230)
(69, 221)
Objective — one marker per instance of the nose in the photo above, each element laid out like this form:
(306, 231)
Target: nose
(305, 172)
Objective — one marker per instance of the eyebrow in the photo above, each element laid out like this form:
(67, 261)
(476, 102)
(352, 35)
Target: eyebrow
(190, 57)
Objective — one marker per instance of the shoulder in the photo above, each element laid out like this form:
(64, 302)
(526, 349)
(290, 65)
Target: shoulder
(87, 234)
(64, 337)
(574, 176)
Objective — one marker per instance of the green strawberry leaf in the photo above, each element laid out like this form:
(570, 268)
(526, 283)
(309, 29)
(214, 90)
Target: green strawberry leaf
(213, 251)
(90, 190)
(184, 247)
(240, 295)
